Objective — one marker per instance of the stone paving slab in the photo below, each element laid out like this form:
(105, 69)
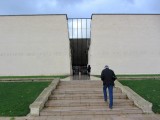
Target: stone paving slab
(93, 117)
(93, 112)
(84, 91)
(94, 107)
(73, 104)
(84, 96)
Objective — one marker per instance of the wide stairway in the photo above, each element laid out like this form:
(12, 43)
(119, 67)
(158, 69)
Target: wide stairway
(85, 97)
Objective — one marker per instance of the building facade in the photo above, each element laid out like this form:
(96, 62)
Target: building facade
(129, 44)
(34, 45)
(40, 44)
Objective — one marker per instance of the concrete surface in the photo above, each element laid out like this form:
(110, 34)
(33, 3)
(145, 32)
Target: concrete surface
(34, 45)
(129, 44)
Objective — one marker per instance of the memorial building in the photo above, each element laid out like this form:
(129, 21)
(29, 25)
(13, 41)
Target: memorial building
(58, 45)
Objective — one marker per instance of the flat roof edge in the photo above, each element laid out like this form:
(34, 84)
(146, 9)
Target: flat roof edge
(124, 14)
(35, 15)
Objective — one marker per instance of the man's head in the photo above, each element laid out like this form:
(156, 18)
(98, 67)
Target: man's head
(106, 66)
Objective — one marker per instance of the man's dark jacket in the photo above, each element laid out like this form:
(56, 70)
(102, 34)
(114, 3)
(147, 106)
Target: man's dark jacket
(108, 77)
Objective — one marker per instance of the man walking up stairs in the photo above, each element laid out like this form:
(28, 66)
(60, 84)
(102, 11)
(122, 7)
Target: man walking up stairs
(85, 97)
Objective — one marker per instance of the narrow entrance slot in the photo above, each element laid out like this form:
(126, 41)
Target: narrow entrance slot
(79, 36)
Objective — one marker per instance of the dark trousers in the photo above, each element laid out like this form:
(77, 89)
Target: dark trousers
(110, 90)
(88, 73)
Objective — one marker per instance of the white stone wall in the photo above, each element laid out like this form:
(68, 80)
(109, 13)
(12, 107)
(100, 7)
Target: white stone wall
(129, 44)
(34, 45)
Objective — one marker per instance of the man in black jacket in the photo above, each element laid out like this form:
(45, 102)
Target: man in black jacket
(108, 77)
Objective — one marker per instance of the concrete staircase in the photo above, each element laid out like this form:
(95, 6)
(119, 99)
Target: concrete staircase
(85, 97)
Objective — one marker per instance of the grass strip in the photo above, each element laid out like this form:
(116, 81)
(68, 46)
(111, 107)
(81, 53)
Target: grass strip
(135, 75)
(15, 98)
(148, 89)
(11, 77)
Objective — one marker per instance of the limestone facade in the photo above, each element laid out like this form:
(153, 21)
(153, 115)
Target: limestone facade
(39, 44)
(34, 45)
(129, 44)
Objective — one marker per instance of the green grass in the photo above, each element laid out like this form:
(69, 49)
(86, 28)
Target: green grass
(9, 77)
(135, 75)
(148, 89)
(140, 75)
(15, 97)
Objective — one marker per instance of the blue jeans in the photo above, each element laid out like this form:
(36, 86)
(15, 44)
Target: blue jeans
(110, 89)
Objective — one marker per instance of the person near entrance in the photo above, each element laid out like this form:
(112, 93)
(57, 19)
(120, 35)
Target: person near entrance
(108, 77)
(89, 70)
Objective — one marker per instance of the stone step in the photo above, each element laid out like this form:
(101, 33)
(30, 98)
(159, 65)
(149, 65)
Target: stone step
(93, 100)
(106, 111)
(81, 92)
(81, 82)
(84, 96)
(100, 117)
(79, 86)
(84, 91)
(73, 103)
(127, 107)
(73, 85)
(82, 87)
(88, 108)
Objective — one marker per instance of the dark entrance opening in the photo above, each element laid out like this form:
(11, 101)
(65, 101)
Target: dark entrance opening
(79, 35)
(79, 55)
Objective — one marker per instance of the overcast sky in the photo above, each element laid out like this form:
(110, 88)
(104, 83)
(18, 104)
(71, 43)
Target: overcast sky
(78, 8)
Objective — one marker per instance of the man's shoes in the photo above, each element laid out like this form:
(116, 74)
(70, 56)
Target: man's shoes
(110, 107)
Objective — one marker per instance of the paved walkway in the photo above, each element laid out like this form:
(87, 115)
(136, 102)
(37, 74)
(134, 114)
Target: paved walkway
(89, 117)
